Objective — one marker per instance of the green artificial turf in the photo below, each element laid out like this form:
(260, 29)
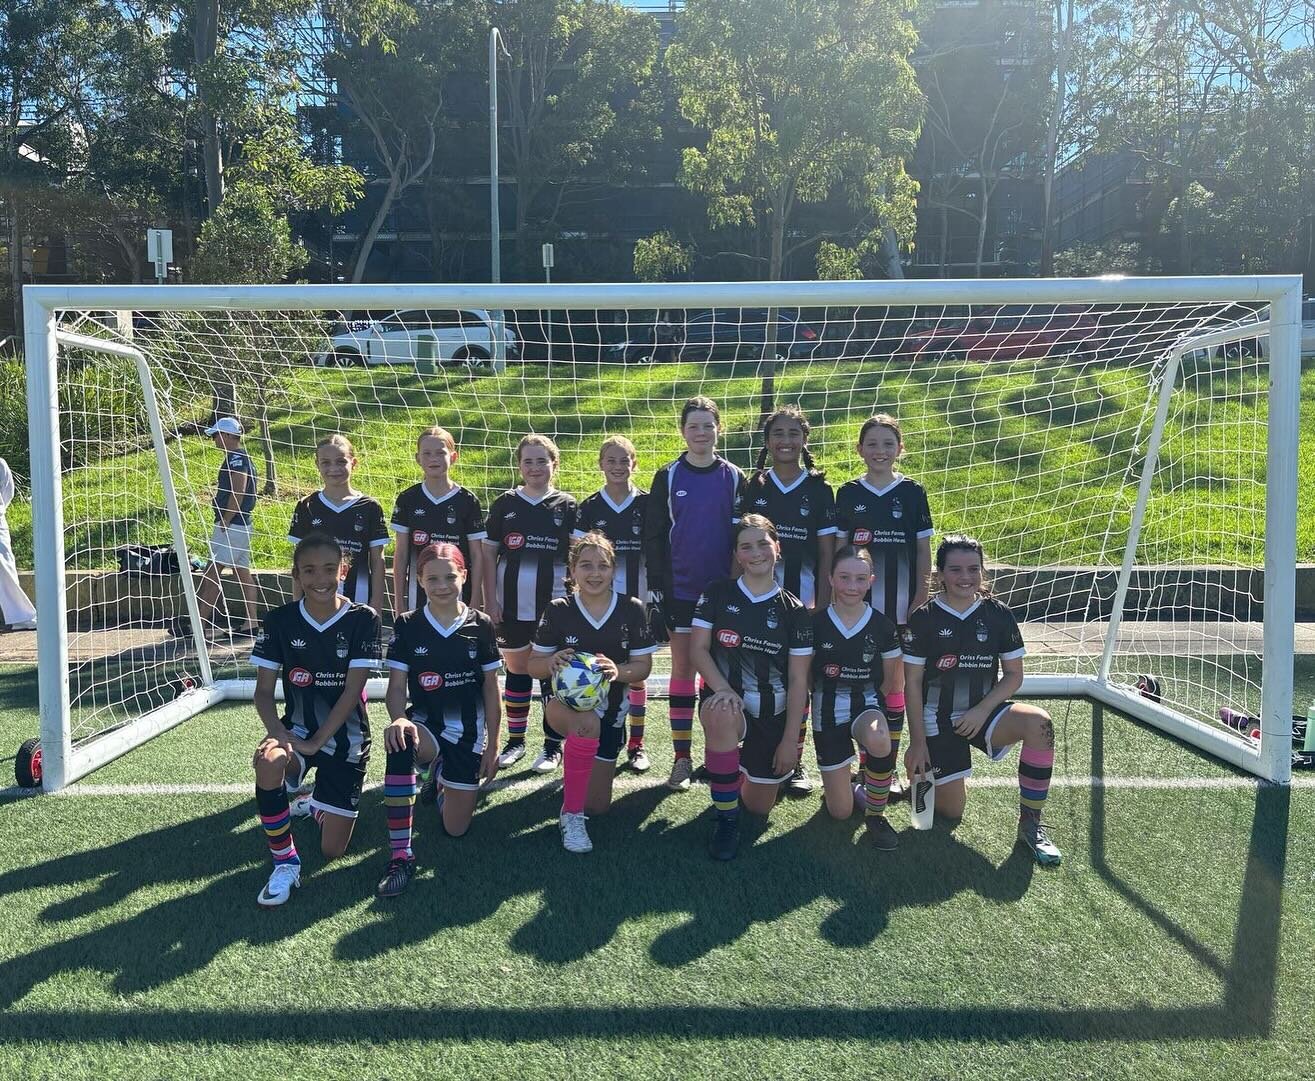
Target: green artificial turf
(1172, 942)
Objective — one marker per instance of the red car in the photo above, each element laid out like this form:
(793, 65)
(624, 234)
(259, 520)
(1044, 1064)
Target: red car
(1013, 333)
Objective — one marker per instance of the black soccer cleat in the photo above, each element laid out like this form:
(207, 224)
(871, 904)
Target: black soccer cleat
(398, 876)
(725, 843)
(881, 833)
(1033, 833)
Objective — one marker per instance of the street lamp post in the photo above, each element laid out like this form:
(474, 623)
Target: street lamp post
(495, 221)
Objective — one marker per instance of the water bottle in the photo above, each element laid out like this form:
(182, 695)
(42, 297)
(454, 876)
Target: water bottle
(923, 800)
(1309, 746)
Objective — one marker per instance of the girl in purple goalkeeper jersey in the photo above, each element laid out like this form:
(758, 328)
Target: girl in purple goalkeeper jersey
(688, 539)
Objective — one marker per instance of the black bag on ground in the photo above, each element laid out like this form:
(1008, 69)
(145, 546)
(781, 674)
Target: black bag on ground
(147, 560)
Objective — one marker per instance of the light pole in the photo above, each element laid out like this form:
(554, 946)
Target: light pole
(495, 221)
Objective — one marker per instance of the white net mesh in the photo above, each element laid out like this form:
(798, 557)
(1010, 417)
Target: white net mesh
(1028, 424)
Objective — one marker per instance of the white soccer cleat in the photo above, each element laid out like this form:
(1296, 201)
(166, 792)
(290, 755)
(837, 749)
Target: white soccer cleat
(512, 753)
(575, 838)
(300, 807)
(547, 762)
(681, 769)
(281, 883)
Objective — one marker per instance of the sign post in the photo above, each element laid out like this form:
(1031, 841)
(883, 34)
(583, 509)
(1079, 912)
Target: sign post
(160, 251)
(547, 263)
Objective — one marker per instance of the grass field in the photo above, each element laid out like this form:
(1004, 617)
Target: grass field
(1038, 458)
(1173, 942)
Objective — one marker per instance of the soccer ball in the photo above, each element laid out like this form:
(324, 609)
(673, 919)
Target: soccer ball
(581, 684)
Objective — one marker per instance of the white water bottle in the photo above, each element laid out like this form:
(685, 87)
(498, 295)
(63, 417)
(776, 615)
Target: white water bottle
(1309, 746)
(922, 800)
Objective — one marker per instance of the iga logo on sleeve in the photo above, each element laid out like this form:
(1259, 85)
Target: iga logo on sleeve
(728, 638)
(430, 681)
(300, 677)
(515, 541)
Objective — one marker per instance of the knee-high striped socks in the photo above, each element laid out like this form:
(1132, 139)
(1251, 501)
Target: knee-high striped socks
(516, 700)
(877, 772)
(681, 703)
(724, 780)
(1035, 764)
(276, 821)
(895, 721)
(399, 800)
(638, 707)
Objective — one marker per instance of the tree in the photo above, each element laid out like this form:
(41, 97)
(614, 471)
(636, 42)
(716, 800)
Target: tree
(661, 257)
(985, 83)
(1065, 18)
(578, 106)
(395, 98)
(797, 101)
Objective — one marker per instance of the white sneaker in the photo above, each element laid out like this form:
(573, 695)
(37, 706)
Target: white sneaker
(548, 762)
(279, 887)
(575, 838)
(300, 807)
(512, 753)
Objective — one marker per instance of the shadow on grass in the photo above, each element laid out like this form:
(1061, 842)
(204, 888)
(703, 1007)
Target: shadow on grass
(585, 902)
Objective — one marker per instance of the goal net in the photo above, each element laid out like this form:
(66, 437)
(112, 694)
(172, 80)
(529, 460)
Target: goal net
(1124, 449)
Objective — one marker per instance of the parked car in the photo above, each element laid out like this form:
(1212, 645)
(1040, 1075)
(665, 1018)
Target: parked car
(1016, 332)
(403, 337)
(715, 334)
(1250, 347)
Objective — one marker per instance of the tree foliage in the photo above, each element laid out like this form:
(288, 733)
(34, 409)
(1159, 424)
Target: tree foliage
(797, 100)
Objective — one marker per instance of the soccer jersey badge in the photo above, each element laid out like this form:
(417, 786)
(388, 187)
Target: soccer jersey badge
(452, 516)
(636, 523)
(557, 518)
(896, 509)
(471, 650)
(982, 632)
(773, 619)
(803, 508)
(359, 524)
(341, 647)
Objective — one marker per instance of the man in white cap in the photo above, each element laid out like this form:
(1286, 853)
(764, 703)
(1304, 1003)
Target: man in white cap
(230, 543)
(16, 611)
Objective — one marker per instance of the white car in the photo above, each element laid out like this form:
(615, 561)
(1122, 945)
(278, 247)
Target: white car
(445, 336)
(1250, 347)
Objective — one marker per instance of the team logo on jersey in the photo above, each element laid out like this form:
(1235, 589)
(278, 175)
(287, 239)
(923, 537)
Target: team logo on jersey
(359, 525)
(515, 541)
(831, 671)
(471, 650)
(636, 523)
(982, 633)
(340, 647)
(509, 515)
(773, 619)
(896, 509)
(430, 681)
(760, 502)
(681, 493)
(803, 508)
(862, 536)
(299, 677)
(421, 651)
(600, 524)
(420, 536)
(298, 643)
(867, 656)
(859, 508)
(828, 644)
(316, 521)
(452, 516)
(728, 638)
(946, 632)
(906, 635)
(572, 640)
(557, 518)
(261, 636)
(947, 662)
(734, 609)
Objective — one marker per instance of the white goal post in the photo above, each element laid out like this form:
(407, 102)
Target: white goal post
(1154, 331)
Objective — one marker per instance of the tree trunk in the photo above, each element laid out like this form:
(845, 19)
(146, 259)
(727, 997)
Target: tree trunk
(890, 254)
(943, 254)
(1065, 39)
(205, 41)
(376, 224)
(775, 262)
(984, 211)
(267, 448)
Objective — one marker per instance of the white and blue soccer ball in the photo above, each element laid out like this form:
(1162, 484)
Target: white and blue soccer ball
(581, 684)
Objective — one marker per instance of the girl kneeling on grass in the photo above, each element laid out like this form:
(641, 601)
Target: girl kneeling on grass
(752, 642)
(325, 646)
(856, 661)
(614, 628)
(444, 703)
(964, 654)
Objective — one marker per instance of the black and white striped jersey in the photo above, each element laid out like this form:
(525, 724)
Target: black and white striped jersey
(446, 668)
(960, 655)
(314, 659)
(847, 665)
(356, 524)
(888, 522)
(454, 518)
(621, 634)
(532, 538)
(802, 511)
(623, 524)
(753, 639)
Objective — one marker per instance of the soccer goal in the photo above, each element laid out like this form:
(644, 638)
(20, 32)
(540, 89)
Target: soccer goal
(1126, 450)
